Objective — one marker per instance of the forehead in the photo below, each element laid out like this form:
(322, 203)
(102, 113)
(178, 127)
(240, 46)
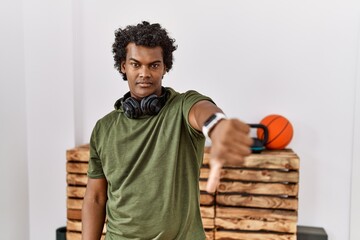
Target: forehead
(142, 53)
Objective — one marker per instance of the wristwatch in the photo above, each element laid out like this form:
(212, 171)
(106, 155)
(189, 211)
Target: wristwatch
(210, 124)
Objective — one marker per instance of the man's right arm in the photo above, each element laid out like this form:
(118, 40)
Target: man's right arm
(94, 209)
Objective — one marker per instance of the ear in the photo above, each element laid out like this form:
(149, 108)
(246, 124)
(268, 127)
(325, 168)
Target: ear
(122, 67)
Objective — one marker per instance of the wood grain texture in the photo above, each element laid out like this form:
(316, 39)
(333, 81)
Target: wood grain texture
(76, 179)
(75, 226)
(207, 212)
(259, 188)
(77, 236)
(72, 167)
(256, 225)
(73, 214)
(257, 201)
(282, 159)
(260, 175)
(81, 153)
(207, 199)
(76, 191)
(228, 235)
(256, 214)
(209, 235)
(209, 223)
(74, 203)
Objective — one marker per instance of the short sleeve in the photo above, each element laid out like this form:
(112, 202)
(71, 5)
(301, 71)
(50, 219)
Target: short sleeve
(190, 98)
(95, 169)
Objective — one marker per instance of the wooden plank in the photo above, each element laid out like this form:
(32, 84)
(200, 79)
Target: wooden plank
(208, 223)
(76, 191)
(270, 162)
(286, 151)
(74, 203)
(259, 188)
(73, 236)
(77, 236)
(74, 214)
(266, 160)
(206, 158)
(202, 185)
(75, 226)
(282, 152)
(255, 225)
(207, 212)
(257, 175)
(81, 153)
(230, 235)
(257, 201)
(256, 214)
(204, 173)
(76, 179)
(76, 167)
(206, 199)
(209, 234)
(263, 175)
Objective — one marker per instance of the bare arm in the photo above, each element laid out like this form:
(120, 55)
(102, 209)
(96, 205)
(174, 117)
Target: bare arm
(230, 140)
(93, 209)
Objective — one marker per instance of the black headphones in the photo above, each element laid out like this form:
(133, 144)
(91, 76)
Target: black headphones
(259, 144)
(150, 105)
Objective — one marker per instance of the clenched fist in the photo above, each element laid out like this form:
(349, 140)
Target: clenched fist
(231, 142)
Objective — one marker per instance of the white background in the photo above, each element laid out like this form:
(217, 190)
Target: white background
(294, 58)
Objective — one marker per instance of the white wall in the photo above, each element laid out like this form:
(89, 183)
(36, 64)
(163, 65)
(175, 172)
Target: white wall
(355, 184)
(296, 58)
(50, 111)
(14, 206)
(254, 57)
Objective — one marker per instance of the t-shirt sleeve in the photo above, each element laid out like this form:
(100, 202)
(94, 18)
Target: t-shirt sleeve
(190, 98)
(95, 169)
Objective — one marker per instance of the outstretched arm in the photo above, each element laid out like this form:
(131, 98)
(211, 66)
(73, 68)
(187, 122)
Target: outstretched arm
(230, 140)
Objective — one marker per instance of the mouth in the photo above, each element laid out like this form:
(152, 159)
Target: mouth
(144, 84)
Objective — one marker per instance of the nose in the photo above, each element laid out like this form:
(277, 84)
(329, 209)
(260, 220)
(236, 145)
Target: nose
(144, 72)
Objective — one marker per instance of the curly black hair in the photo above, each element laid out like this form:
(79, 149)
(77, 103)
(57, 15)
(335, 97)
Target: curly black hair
(143, 34)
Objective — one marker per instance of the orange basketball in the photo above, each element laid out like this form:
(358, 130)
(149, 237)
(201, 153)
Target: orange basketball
(280, 131)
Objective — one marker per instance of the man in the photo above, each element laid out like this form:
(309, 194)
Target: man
(145, 156)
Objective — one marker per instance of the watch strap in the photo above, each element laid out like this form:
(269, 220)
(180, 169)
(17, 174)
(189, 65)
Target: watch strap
(211, 122)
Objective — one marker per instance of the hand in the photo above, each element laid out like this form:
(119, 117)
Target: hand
(230, 144)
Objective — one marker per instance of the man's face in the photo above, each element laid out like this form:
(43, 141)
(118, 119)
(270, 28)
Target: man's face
(144, 69)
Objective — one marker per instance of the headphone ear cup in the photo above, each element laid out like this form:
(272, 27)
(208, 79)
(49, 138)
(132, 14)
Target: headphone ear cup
(150, 105)
(131, 108)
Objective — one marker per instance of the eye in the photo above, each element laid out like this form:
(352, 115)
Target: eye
(135, 64)
(155, 65)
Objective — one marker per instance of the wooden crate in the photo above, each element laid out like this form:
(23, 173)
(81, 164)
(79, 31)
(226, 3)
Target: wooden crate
(255, 201)
(259, 199)
(207, 209)
(207, 204)
(76, 178)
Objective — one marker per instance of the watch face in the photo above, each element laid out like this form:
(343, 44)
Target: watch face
(212, 117)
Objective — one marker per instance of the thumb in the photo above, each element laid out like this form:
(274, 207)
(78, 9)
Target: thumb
(214, 176)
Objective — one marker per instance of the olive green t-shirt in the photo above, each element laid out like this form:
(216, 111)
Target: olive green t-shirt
(152, 167)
